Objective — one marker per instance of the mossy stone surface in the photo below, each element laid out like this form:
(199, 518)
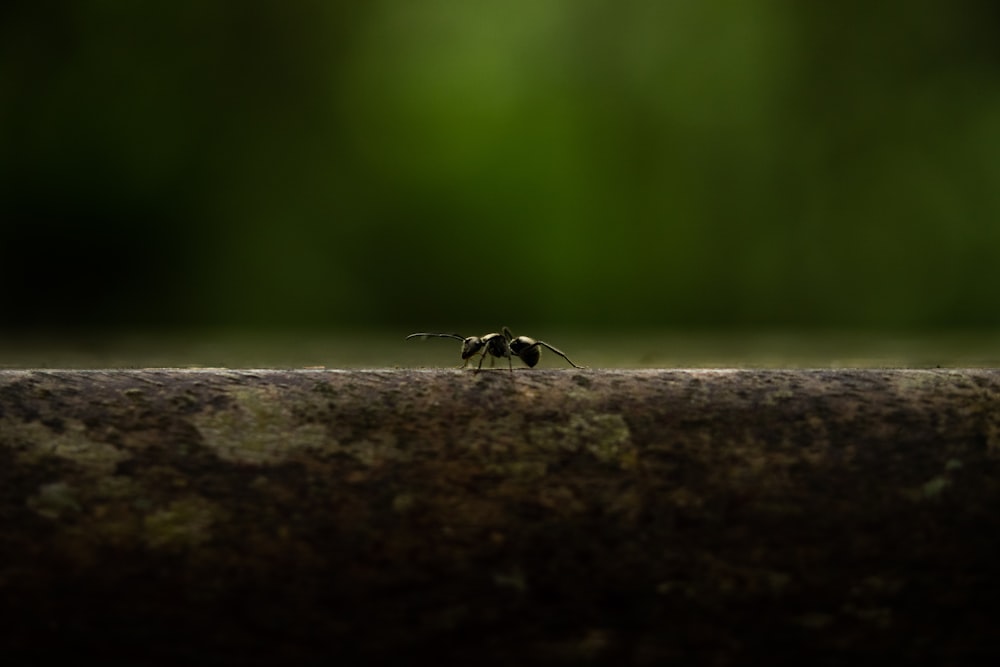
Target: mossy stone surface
(612, 517)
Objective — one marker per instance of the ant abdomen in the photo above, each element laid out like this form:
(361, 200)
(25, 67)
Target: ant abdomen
(526, 349)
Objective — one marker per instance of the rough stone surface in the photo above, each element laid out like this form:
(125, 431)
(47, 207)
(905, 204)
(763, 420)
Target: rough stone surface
(542, 517)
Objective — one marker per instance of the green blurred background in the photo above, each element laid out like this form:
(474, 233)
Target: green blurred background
(552, 165)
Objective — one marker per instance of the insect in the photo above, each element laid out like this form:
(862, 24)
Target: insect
(500, 346)
(493, 344)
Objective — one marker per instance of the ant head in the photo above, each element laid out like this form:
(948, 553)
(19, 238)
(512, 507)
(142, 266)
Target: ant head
(471, 346)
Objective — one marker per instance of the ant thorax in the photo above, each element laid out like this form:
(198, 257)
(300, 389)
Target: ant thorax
(496, 345)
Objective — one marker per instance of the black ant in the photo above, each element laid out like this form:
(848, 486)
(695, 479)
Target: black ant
(499, 346)
(495, 345)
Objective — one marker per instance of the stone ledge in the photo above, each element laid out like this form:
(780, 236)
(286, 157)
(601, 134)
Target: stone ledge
(706, 516)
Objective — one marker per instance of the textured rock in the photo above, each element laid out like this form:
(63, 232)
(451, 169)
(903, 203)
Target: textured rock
(705, 516)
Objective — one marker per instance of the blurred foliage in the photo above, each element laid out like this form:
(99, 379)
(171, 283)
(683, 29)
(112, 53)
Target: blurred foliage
(460, 165)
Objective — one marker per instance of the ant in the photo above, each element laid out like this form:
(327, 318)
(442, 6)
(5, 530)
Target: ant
(500, 346)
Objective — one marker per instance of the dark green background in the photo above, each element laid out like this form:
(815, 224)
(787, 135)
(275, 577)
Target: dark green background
(462, 165)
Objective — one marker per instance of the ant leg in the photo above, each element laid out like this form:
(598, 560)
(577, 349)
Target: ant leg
(508, 336)
(557, 351)
(560, 353)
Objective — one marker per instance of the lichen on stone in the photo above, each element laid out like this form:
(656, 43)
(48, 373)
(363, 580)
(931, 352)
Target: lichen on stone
(34, 442)
(604, 436)
(55, 500)
(380, 446)
(257, 428)
(186, 522)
